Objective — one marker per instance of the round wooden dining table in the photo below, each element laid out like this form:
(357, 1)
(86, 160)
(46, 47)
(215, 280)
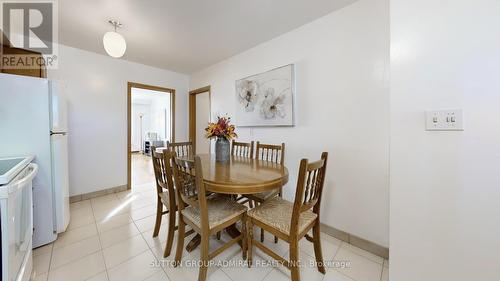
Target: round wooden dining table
(240, 175)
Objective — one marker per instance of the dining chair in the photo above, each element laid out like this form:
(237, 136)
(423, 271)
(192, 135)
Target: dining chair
(165, 195)
(243, 149)
(272, 153)
(181, 148)
(206, 214)
(292, 221)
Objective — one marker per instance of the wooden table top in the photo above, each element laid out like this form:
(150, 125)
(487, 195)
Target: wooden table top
(241, 175)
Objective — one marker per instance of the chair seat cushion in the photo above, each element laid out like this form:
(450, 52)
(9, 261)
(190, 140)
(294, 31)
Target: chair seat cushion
(220, 210)
(277, 213)
(263, 196)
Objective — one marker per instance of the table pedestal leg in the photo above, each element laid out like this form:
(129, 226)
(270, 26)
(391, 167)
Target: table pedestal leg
(195, 242)
(234, 232)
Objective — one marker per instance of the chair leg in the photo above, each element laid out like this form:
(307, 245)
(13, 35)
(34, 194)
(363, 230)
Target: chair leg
(244, 243)
(181, 233)
(170, 235)
(294, 259)
(261, 230)
(249, 241)
(218, 235)
(250, 203)
(202, 275)
(317, 248)
(280, 194)
(159, 215)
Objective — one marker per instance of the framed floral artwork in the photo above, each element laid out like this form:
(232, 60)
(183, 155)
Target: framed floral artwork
(266, 99)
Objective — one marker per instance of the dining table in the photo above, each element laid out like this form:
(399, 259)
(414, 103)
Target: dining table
(238, 176)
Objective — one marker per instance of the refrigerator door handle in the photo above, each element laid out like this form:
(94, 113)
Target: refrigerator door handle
(57, 133)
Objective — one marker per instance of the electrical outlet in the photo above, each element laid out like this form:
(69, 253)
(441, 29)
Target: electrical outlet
(445, 120)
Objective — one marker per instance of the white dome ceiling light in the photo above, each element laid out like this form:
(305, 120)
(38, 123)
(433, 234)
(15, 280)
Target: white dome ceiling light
(113, 42)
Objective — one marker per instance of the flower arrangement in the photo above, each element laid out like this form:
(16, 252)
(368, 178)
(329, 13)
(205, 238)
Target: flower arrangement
(221, 129)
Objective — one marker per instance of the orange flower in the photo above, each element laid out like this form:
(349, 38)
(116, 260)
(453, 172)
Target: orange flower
(221, 128)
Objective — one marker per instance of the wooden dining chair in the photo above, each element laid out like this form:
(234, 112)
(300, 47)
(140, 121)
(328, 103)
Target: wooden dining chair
(181, 148)
(243, 149)
(292, 221)
(272, 153)
(166, 195)
(206, 214)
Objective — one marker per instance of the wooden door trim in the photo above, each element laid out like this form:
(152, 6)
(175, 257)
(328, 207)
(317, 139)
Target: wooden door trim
(131, 85)
(192, 111)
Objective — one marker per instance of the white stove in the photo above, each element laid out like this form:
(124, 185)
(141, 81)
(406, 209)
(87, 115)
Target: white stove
(16, 216)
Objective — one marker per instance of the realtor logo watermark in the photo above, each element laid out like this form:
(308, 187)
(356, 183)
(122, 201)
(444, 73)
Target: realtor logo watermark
(31, 26)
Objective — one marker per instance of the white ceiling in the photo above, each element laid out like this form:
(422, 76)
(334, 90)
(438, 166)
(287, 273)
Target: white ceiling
(185, 35)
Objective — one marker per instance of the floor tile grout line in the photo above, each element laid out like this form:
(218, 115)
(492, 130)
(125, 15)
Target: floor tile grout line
(115, 227)
(129, 238)
(122, 262)
(382, 272)
(69, 230)
(100, 242)
(223, 272)
(151, 250)
(71, 244)
(96, 275)
(50, 261)
(359, 255)
(265, 276)
(338, 250)
(336, 253)
(68, 262)
(98, 251)
(344, 274)
(157, 259)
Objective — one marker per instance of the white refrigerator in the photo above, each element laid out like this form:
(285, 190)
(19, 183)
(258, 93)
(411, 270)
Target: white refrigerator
(33, 122)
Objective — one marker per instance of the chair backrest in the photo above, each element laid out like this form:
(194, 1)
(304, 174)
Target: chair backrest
(188, 178)
(244, 149)
(163, 173)
(181, 148)
(309, 188)
(270, 152)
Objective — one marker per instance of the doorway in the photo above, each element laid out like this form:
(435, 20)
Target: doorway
(151, 123)
(199, 117)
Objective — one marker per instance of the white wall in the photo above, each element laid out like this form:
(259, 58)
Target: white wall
(160, 112)
(342, 107)
(96, 86)
(445, 196)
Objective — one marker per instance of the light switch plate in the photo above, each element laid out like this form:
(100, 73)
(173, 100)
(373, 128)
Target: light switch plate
(445, 120)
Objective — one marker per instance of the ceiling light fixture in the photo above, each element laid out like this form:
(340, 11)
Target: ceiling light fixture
(113, 42)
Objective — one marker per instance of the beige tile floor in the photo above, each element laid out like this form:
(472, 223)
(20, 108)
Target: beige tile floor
(110, 238)
(142, 169)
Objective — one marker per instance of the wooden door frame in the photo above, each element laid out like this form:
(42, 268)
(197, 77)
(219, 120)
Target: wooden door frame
(131, 85)
(192, 111)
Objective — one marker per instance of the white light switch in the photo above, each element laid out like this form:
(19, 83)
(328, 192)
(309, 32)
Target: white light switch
(445, 120)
